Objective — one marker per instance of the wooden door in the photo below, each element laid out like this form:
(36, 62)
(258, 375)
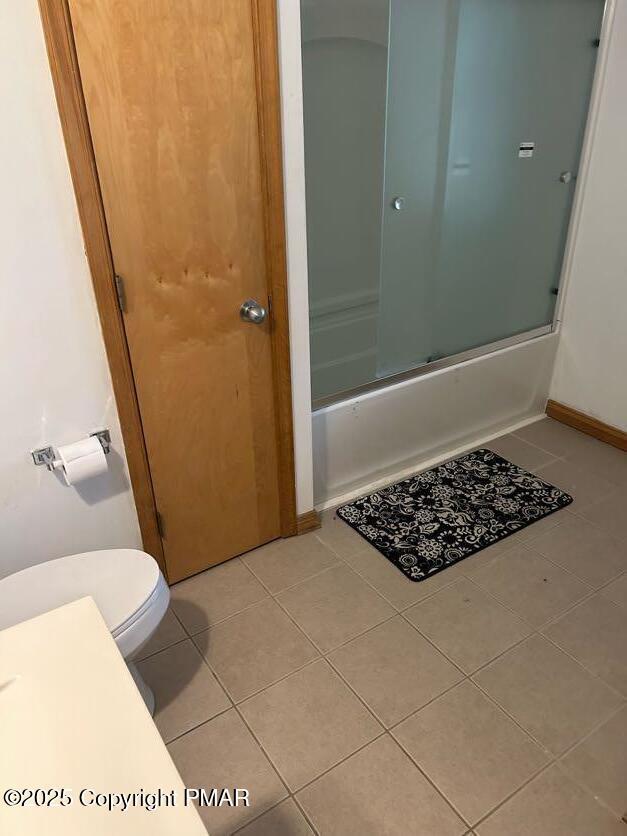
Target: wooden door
(171, 95)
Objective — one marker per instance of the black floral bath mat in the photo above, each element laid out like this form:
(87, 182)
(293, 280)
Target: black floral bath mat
(435, 519)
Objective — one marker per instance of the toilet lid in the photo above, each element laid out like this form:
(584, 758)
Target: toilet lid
(119, 580)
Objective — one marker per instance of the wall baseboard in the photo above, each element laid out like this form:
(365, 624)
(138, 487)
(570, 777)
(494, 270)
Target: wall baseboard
(586, 424)
(307, 522)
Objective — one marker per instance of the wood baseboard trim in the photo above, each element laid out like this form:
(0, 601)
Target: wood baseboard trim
(307, 522)
(586, 424)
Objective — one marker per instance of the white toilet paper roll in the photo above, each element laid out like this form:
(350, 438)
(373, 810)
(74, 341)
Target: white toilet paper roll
(82, 460)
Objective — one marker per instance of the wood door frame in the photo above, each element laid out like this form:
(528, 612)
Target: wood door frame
(66, 78)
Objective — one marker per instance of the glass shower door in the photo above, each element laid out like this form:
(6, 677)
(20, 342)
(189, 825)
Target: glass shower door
(486, 110)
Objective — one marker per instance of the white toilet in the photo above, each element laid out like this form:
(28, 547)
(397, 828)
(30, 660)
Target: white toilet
(126, 584)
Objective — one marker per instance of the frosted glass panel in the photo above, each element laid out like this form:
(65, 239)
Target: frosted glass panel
(345, 54)
(442, 142)
(422, 38)
(523, 75)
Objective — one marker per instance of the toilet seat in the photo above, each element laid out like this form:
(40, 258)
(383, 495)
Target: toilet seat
(126, 584)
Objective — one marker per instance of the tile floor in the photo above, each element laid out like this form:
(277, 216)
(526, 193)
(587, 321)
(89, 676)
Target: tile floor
(489, 700)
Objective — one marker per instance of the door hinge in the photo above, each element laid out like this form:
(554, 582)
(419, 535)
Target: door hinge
(119, 291)
(160, 524)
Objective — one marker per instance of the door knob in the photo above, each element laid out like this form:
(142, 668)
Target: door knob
(398, 203)
(566, 176)
(252, 311)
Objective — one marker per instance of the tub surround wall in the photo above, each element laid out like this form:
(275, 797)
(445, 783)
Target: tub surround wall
(380, 435)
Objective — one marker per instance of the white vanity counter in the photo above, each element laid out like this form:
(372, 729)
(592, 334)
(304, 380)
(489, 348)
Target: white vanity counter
(71, 718)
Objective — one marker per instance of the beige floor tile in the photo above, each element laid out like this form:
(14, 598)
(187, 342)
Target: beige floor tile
(286, 562)
(186, 692)
(334, 607)
(168, 632)
(584, 485)
(487, 557)
(308, 722)
(531, 586)
(595, 633)
(584, 549)
(607, 461)
(548, 693)
(580, 449)
(338, 535)
(255, 648)
(552, 436)
(223, 753)
(470, 566)
(600, 763)
(378, 792)
(551, 805)
(610, 514)
(617, 591)
(520, 452)
(474, 754)
(215, 594)
(283, 820)
(390, 582)
(530, 533)
(394, 669)
(467, 624)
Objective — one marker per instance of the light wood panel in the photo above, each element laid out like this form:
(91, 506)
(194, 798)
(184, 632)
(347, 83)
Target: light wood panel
(172, 90)
(587, 424)
(66, 79)
(266, 39)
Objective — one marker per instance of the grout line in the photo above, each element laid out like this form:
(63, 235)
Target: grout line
(324, 655)
(433, 645)
(241, 700)
(414, 711)
(197, 726)
(192, 633)
(363, 746)
(257, 817)
(274, 593)
(265, 753)
(304, 812)
(424, 774)
(321, 651)
(290, 797)
(588, 790)
(139, 659)
(554, 760)
(578, 577)
(320, 658)
(592, 673)
(400, 610)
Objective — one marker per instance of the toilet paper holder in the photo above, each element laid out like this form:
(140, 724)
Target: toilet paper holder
(45, 455)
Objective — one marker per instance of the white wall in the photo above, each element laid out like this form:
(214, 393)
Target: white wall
(592, 357)
(54, 377)
(296, 229)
